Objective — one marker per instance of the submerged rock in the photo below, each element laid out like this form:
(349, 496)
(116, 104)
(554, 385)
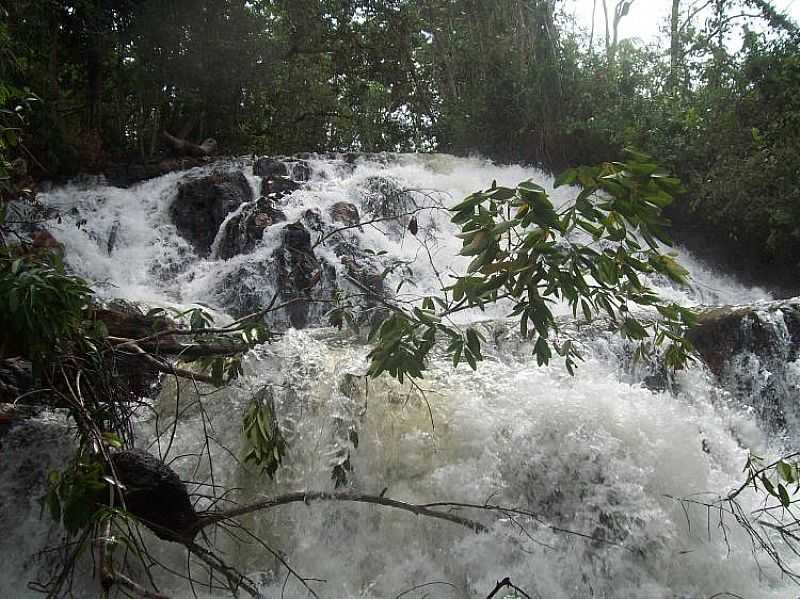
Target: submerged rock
(202, 205)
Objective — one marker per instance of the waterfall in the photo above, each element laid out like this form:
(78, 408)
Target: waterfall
(603, 454)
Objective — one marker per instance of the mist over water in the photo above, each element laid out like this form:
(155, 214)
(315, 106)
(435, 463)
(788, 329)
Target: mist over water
(600, 454)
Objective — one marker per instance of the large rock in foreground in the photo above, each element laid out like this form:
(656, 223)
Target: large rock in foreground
(155, 495)
(202, 205)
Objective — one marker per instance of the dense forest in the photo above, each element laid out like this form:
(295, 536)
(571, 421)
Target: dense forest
(251, 269)
(514, 81)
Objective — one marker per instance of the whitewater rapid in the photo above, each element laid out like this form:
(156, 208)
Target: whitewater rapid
(600, 454)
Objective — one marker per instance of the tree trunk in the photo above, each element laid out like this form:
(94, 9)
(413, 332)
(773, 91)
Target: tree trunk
(675, 46)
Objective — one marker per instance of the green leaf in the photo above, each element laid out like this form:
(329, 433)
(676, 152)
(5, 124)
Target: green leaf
(542, 351)
(783, 495)
(469, 203)
(786, 471)
(768, 485)
(568, 177)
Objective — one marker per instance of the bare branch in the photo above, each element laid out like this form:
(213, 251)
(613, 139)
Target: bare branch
(209, 518)
(506, 583)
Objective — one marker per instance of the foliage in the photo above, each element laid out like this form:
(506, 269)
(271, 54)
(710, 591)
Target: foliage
(74, 495)
(266, 445)
(776, 478)
(42, 306)
(592, 254)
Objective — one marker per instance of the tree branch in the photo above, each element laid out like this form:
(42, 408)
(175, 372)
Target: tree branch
(209, 518)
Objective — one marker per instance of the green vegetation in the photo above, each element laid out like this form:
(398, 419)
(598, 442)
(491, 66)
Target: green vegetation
(528, 252)
(515, 80)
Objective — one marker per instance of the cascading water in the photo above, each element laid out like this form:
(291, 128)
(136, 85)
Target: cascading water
(601, 454)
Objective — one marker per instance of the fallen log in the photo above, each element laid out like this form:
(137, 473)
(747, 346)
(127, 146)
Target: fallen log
(167, 346)
(158, 335)
(183, 147)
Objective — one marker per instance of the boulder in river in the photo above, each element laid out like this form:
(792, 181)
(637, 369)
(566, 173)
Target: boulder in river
(754, 351)
(202, 205)
(299, 271)
(277, 187)
(723, 332)
(300, 170)
(345, 213)
(16, 378)
(269, 168)
(244, 231)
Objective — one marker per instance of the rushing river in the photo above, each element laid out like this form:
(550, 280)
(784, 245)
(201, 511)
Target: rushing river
(603, 453)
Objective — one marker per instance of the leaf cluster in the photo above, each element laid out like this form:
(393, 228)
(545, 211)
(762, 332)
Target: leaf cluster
(266, 445)
(75, 495)
(775, 478)
(41, 306)
(594, 254)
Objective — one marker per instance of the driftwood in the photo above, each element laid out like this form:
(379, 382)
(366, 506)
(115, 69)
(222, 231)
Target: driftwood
(184, 147)
(156, 335)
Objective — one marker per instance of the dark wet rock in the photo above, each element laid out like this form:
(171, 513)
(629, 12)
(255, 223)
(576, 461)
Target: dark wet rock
(294, 272)
(244, 231)
(270, 168)
(299, 271)
(247, 289)
(112, 237)
(362, 271)
(753, 351)
(278, 187)
(16, 378)
(300, 170)
(155, 495)
(202, 205)
(345, 213)
(44, 239)
(723, 332)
